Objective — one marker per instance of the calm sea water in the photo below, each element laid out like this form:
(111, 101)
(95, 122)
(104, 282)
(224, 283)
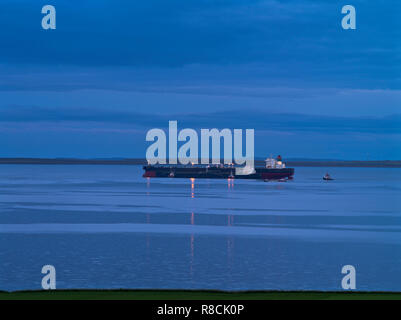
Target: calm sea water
(107, 227)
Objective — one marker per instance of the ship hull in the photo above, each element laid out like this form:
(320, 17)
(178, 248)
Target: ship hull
(216, 173)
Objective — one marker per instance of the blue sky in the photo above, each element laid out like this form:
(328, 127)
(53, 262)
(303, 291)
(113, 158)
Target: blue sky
(112, 70)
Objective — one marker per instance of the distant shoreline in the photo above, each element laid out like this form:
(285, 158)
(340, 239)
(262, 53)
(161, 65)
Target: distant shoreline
(136, 161)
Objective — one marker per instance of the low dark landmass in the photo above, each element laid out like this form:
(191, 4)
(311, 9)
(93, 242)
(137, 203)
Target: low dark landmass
(371, 164)
(133, 161)
(194, 295)
(72, 161)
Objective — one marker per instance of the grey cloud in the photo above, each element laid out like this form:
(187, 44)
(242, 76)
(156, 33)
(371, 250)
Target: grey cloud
(260, 120)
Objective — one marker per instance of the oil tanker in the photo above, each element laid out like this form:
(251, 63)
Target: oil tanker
(274, 169)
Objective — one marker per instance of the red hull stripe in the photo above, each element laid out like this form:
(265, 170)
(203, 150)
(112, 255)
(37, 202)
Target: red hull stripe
(269, 175)
(149, 174)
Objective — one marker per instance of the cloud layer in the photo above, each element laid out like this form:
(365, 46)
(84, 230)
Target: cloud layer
(114, 69)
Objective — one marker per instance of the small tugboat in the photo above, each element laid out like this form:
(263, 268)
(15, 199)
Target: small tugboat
(327, 177)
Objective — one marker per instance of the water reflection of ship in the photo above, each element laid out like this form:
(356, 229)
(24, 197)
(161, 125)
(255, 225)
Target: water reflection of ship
(192, 246)
(192, 188)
